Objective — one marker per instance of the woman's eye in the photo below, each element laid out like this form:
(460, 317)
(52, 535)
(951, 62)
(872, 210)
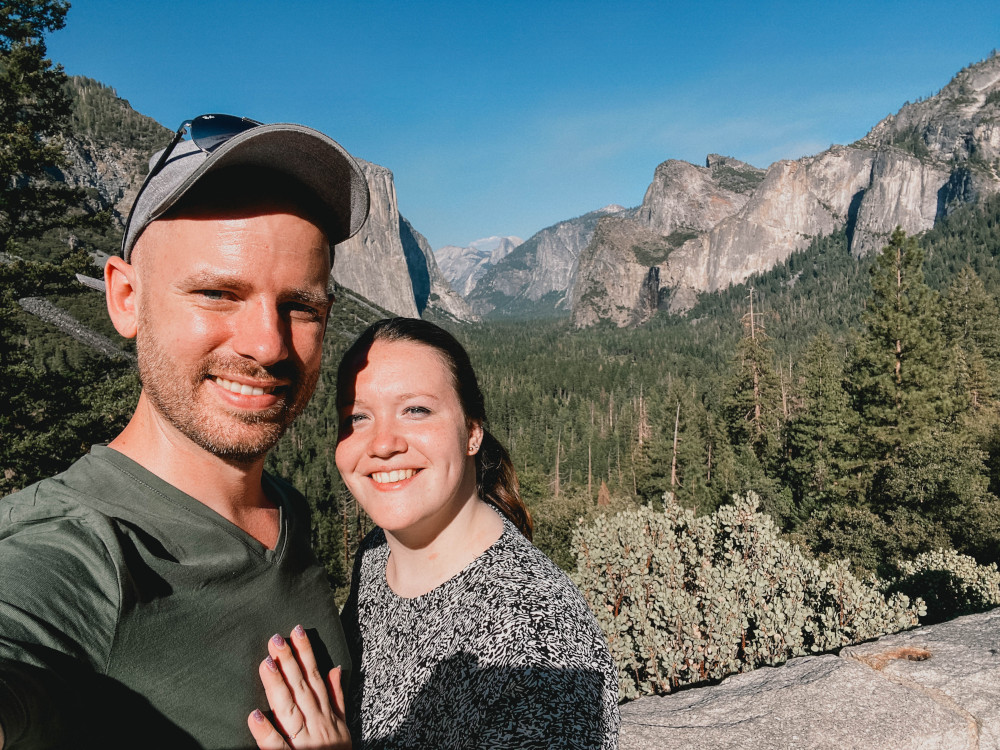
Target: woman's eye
(418, 410)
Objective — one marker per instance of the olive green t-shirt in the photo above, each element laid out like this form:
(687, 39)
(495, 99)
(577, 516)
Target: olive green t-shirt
(132, 615)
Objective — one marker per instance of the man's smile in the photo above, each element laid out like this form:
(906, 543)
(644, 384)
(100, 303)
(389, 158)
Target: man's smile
(243, 389)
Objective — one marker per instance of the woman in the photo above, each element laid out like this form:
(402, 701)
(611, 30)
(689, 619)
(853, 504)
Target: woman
(462, 633)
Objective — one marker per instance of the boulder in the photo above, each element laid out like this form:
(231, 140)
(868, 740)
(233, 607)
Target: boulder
(936, 687)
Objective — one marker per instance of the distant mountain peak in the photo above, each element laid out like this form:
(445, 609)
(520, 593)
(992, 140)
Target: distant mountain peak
(489, 244)
(465, 266)
(955, 125)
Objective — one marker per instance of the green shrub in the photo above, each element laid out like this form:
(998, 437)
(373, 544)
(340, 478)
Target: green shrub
(950, 583)
(684, 599)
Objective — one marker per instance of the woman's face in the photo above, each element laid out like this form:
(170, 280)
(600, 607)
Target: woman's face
(405, 449)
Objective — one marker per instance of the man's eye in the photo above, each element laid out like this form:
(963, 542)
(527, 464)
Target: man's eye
(302, 310)
(212, 293)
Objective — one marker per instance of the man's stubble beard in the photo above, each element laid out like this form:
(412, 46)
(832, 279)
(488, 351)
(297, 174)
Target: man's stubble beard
(180, 398)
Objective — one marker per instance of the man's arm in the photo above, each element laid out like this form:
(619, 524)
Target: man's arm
(59, 602)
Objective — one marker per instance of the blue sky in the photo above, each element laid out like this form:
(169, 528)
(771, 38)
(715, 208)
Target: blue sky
(501, 118)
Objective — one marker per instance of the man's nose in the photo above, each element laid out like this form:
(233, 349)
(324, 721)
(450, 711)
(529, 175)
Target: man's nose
(261, 333)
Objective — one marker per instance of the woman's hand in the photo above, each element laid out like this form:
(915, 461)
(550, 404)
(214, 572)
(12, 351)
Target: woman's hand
(300, 699)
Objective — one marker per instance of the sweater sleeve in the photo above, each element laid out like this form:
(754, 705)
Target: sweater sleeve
(59, 604)
(547, 707)
(560, 688)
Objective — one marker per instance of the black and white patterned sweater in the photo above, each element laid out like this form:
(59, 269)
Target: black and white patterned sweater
(504, 655)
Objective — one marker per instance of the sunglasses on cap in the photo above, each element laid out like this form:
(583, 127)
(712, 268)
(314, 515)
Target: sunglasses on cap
(208, 132)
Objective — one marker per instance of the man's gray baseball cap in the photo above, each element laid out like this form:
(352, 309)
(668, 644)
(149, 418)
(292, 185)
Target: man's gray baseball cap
(307, 156)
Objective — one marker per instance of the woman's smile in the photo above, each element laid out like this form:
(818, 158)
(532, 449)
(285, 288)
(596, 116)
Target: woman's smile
(392, 479)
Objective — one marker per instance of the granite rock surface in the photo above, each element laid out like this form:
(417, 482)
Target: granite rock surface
(933, 688)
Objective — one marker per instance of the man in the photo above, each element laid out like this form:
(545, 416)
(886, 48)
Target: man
(138, 589)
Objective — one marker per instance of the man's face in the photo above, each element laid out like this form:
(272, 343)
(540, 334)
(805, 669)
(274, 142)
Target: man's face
(231, 314)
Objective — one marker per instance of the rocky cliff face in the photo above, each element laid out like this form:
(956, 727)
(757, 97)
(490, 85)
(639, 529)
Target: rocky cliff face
(958, 124)
(613, 285)
(115, 172)
(109, 146)
(392, 264)
(536, 278)
(704, 228)
(430, 287)
(463, 267)
(373, 262)
(685, 197)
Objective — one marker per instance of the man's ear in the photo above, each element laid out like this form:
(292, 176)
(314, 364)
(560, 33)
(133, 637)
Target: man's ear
(120, 291)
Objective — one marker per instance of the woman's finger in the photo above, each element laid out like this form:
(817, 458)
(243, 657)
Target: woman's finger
(288, 715)
(264, 733)
(305, 713)
(303, 695)
(306, 659)
(336, 688)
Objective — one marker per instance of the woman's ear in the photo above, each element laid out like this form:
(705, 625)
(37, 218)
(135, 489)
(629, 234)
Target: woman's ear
(475, 437)
(120, 293)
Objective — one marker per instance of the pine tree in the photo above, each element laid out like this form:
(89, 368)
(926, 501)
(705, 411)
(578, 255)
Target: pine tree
(754, 414)
(49, 416)
(34, 117)
(821, 438)
(752, 403)
(676, 457)
(927, 472)
(900, 376)
(971, 314)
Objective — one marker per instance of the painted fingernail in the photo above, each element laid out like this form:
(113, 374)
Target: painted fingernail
(277, 640)
(258, 716)
(270, 664)
(299, 631)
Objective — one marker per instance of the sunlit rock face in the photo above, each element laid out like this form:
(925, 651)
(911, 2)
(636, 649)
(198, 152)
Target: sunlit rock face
(705, 228)
(463, 267)
(685, 197)
(537, 276)
(614, 281)
(372, 262)
(390, 262)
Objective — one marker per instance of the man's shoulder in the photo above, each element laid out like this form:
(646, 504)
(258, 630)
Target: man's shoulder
(52, 507)
(56, 547)
(62, 495)
(73, 509)
(91, 471)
